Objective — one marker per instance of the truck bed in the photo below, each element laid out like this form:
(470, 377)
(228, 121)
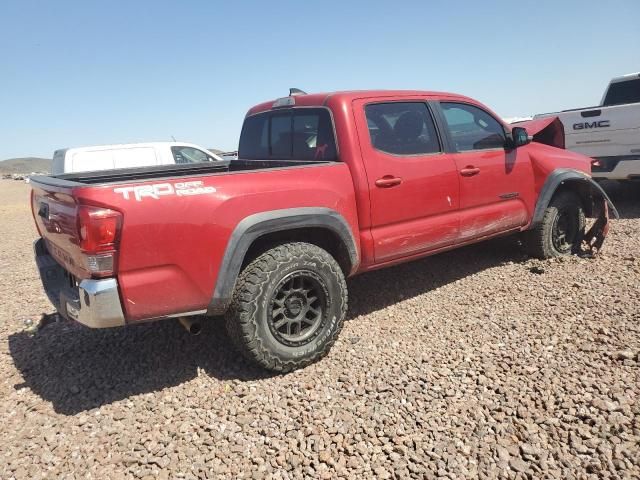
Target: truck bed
(170, 246)
(169, 171)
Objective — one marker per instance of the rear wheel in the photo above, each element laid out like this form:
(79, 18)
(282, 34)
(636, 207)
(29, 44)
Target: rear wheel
(288, 307)
(561, 230)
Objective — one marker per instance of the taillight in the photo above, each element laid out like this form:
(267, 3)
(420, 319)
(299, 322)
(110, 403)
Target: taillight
(99, 232)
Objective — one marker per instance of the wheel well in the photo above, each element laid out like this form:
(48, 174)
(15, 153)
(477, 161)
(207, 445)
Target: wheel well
(583, 190)
(324, 238)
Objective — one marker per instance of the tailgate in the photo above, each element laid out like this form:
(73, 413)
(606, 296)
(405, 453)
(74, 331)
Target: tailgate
(603, 131)
(55, 211)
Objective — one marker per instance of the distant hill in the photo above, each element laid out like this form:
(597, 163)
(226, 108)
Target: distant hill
(25, 165)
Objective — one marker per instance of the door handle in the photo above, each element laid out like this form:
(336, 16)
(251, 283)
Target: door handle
(469, 171)
(388, 181)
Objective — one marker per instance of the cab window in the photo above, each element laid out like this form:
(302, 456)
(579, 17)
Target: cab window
(471, 128)
(620, 93)
(402, 128)
(293, 134)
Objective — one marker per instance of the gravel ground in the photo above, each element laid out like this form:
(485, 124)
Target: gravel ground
(474, 363)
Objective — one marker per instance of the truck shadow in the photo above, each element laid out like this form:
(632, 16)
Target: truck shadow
(78, 369)
(379, 289)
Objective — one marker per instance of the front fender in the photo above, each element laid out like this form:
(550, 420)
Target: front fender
(583, 182)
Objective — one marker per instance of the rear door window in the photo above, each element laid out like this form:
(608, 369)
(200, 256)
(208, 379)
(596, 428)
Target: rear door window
(402, 128)
(293, 134)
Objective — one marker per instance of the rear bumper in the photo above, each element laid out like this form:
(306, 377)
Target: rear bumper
(94, 303)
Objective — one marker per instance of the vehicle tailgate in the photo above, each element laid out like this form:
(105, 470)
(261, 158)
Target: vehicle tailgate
(55, 212)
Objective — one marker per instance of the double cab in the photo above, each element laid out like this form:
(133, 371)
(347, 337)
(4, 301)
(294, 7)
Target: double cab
(325, 186)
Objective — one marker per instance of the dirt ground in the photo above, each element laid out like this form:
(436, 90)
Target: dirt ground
(478, 363)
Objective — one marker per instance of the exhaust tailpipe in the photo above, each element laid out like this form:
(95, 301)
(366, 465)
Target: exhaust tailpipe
(191, 325)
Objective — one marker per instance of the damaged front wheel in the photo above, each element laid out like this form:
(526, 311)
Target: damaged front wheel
(561, 230)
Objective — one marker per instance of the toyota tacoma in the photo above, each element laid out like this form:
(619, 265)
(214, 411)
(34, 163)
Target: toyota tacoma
(325, 186)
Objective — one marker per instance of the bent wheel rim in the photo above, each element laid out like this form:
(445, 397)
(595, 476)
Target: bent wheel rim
(297, 308)
(565, 230)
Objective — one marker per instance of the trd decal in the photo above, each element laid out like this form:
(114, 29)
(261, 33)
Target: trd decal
(157, 190)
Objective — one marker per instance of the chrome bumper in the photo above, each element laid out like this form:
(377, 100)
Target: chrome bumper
(94, 303)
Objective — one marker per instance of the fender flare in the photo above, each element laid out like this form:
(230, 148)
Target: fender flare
(560, 177)
(254, 226)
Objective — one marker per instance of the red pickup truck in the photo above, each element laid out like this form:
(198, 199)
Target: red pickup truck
(326, 186)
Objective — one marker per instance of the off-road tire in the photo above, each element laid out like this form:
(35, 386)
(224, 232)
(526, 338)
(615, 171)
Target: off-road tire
(538, 242)
(248, 317)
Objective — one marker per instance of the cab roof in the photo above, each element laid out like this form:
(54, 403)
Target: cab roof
(624, 78)
(341, 97)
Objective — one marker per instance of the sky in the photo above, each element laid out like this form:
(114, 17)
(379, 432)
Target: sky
(91, 72)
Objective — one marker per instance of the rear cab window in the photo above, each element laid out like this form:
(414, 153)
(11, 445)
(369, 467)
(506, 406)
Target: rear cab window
(291, 134)
(620, 93)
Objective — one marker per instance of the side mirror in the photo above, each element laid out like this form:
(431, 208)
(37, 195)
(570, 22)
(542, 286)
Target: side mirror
(520, 136)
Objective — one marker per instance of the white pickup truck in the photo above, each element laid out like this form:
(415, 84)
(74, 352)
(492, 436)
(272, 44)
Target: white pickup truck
(610, 132)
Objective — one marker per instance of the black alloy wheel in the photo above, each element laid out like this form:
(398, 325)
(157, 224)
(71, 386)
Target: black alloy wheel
(297, 308)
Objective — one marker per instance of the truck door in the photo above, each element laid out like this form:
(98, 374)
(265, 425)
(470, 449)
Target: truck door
(413, 184)
(491, 177)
